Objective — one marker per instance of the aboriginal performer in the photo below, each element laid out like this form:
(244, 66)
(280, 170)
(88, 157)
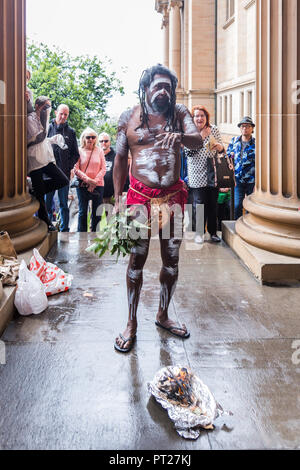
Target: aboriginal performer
(153, 133)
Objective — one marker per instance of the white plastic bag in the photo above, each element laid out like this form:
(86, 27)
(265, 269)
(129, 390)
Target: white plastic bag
(30, 294)
(59, 140)
(54, 279)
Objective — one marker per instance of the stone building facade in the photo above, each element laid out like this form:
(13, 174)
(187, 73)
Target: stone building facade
(193, 46)
(210, 44)
(241, 57)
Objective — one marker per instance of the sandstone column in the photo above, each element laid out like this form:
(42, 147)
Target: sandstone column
(175, 38)
(165, 26)
(16, 205)
(273, 219)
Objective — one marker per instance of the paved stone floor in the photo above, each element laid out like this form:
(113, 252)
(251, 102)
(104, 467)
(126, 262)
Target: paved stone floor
(64, 386)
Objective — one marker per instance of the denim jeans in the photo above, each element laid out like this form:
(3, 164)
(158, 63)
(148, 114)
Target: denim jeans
(240, 191)
(84, 196)
(63, 207)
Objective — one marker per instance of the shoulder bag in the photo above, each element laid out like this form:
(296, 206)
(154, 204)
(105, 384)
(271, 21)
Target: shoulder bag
(77, 182)
(224, 171)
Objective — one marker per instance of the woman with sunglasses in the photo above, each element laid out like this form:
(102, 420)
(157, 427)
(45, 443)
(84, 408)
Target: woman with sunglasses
(90, 169)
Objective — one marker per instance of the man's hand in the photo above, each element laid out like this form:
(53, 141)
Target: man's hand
(167, 140)
(116, 208)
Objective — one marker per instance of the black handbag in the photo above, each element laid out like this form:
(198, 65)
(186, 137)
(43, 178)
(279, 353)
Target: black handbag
(76, 182)
(224, 171)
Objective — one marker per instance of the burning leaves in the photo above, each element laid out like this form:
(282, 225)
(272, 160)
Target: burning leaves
(188, 401)
(178, 387)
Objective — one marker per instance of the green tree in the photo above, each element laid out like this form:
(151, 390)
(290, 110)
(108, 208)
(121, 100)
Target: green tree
(84, 83)
(110, 127)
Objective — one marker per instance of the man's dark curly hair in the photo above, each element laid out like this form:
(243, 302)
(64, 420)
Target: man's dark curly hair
(145, 81)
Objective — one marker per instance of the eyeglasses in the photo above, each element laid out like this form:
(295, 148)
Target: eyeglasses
(91, 137)
(105, 141)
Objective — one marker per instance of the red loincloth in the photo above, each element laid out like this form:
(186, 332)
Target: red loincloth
(179, 197)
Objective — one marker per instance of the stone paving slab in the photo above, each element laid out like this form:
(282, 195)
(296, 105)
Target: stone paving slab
(64, 386)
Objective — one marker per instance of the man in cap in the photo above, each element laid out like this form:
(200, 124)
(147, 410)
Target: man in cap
(242, 148)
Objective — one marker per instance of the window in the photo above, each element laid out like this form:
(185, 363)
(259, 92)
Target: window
(221, 109)
(242, 105)
(250, 104)
(230, 109)
(225, 109)
(229, 9)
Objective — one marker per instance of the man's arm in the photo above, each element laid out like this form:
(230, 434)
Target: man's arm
(121, 159)
(74, 150)
(230, 148)
(189, 137)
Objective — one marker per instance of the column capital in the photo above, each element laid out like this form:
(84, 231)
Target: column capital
(161, 5)
(175, 3)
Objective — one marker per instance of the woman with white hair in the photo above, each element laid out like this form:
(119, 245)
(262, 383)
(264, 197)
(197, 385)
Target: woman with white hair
(90, 170)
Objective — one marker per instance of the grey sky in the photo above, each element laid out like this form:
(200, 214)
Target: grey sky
(126, 31)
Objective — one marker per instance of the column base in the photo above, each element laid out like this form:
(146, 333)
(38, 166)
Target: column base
(264, 265)
(270, 225)
(25, 230)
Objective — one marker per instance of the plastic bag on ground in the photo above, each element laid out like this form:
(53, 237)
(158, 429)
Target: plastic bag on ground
(54, 279)
(30, 294)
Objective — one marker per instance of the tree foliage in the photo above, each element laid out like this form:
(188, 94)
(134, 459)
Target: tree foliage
(84, 83)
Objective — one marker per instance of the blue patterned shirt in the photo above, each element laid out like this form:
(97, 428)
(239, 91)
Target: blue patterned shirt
(244, 162)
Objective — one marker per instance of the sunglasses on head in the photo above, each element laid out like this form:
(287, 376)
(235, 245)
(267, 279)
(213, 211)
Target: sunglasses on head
(91, 137)
(101, 141)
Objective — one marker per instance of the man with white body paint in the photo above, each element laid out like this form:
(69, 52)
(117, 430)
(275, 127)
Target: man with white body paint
(153, 133)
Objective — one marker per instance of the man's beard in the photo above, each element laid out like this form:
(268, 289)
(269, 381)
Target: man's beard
(161, 105)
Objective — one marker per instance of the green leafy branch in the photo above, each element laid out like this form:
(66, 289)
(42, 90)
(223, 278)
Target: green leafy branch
(115, 235)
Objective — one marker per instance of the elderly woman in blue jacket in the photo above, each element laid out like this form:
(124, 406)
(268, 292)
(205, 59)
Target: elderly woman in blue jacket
(242, 148)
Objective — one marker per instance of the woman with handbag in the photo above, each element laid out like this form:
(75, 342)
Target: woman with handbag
(201, 174)
(89, 170)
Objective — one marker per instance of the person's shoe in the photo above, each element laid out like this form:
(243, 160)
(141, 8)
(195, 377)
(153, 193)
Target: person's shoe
(215, 239)
(51, 228)
(199, 239)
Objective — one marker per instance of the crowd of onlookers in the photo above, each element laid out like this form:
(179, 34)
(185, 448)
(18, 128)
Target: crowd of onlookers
(199, 174)
(56, 163)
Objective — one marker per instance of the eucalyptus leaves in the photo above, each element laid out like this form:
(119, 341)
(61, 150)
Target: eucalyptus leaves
(118, 235)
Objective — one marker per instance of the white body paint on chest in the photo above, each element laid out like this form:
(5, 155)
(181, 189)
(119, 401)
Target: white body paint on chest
(148, 161)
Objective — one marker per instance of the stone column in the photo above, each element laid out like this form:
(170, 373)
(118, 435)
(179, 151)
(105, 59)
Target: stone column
(16, 205)
(175, 38)
(165, 27)
(273, 219)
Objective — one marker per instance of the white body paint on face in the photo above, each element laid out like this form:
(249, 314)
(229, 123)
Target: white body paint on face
(159, 92)
(160, 81)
